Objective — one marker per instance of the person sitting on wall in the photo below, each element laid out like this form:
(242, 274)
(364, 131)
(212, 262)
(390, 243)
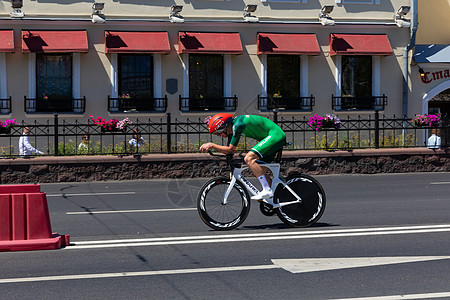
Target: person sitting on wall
(25, 148)
(434, 141)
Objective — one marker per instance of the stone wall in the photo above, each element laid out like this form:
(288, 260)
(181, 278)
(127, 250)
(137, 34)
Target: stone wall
(101, 168)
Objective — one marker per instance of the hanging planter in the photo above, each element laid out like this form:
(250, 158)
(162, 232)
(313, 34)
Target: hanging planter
(5, 127)
(328, 121)
(427, 120)
(112, 125)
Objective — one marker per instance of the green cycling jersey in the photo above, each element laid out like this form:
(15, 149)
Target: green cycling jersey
(269, 135)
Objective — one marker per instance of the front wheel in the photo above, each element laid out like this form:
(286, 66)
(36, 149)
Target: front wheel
(311, 207)
(223, 216)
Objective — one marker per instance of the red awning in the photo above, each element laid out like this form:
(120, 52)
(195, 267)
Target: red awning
(136, 42)
(54, 41)
(287, 43)
(209, 42)
(360, 44)
(6, 41)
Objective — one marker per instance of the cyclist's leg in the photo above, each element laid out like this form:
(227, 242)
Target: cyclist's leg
(265, 150)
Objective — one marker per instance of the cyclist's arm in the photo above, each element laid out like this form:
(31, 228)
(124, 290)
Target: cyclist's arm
(222, 149)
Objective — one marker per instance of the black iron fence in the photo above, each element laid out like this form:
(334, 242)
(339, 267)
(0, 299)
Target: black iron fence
(169, 135)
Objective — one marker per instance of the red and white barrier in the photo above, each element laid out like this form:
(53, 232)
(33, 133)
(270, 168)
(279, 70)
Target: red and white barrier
(25, 221)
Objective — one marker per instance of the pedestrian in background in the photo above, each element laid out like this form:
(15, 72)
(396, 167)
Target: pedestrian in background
(137, 141)
(434, 141)
(83, 147)
(25, 148)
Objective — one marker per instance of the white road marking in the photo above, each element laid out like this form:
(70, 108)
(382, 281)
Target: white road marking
(308, 265)
(290, 265)
(401, 297)
(443, 182)
(130, 274)
(91, 194)
(258, 237)
(127, 211)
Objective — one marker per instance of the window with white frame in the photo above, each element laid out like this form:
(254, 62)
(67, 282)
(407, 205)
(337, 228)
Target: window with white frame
(136, 82)
(356, 76)
(284, 82)
(283, 76)
(358, 83)
(54, 83)
(207, 83)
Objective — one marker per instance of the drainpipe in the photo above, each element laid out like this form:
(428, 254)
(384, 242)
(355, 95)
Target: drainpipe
(412, 43)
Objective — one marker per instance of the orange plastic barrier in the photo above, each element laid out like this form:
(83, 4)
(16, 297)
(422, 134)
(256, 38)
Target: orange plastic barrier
(25, 221)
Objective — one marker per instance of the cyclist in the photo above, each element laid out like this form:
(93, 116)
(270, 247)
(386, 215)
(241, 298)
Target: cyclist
(270, 139)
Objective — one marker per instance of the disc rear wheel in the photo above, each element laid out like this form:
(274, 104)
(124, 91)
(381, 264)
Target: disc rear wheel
(311, 207)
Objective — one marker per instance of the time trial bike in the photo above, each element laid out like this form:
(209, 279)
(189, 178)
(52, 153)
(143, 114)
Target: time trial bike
(223, 203)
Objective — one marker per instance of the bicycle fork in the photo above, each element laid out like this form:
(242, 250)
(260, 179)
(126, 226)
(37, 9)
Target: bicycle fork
(228, 191)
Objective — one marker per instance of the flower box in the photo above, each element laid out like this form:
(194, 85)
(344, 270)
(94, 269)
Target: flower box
(5, 127)
(112, 125)
(5, 130)
(328, 121)
(427, 120)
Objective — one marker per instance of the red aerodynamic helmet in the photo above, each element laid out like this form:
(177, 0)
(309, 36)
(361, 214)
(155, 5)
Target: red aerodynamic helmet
(219, 122)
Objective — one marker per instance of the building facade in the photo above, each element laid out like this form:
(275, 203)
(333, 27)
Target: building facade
(194, 58)
(430, 68)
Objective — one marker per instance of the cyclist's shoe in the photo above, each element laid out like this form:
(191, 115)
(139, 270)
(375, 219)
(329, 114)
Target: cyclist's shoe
(264, 194)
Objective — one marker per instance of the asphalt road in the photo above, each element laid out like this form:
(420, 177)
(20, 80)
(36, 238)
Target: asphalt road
(380, 236)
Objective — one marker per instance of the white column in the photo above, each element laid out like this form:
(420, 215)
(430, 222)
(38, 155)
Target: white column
(32, 81)
(76, 82)
(114, 80)
(263, 57)
(3, 82)
(338, 77)
(304, 91)
(157, 76)
(376, 76)
(227, 80)
(3, 85)
(114, 76)
(157, 81)
(185, 63)
(76, 75)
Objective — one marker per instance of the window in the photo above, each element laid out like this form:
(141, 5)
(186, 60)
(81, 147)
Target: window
(283, 76)
(205, 76)
(206, 82)
(357, 85)
(286, 83)
(54, 83)
(135, 76)
(357, 76)
(136, 84)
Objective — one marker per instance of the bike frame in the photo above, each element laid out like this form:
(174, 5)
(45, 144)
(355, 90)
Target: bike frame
(275, 169)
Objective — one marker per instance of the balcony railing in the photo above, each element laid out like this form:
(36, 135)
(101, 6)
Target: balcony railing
(5, 106)
(53, 105)
(348, 103)
(286, 103)
(137, 104)
(206, 104)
